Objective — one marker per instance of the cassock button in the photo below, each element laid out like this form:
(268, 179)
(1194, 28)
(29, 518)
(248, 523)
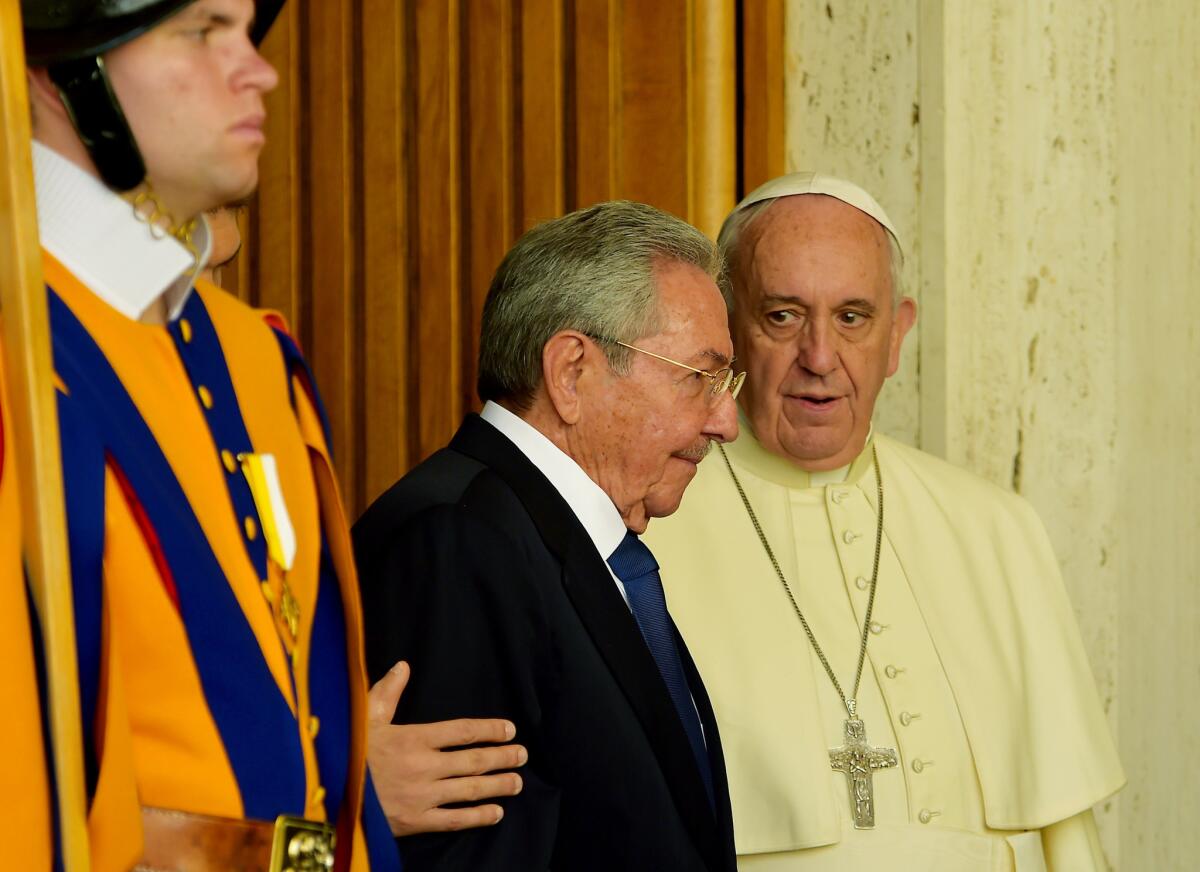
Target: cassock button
(919, 765)
(228, 460)
(926, 815)
(838, 496)
(861, 583)
(185, 329)
(906, 718)
(877, 627)
(891, 671)
(849, 536)
(206, 398)
(251, 528)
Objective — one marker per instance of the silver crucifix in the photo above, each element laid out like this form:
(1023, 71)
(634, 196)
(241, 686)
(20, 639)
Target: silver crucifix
(859, 761)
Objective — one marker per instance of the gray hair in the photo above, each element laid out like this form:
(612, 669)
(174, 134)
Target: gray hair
(740, 219)
(591, 271)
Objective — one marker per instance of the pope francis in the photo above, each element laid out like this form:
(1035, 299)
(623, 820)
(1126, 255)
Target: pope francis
(894, 664)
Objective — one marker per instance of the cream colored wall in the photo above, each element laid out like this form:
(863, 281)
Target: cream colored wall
(1042, 161)
(1157, 361)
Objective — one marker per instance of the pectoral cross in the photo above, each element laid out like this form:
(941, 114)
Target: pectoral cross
(859, 761)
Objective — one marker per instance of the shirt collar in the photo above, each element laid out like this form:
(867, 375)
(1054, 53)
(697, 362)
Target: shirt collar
(93, 232)
(590, 504)
(767, 465)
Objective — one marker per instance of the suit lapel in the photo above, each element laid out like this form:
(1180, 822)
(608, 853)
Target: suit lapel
(611, 626)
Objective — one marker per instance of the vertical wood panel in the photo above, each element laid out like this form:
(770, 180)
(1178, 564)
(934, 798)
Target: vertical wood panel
(654, 153)
(761, 92)
(713, 132)
(597, 59)
(273, 245)
(240, 268)
(237, 277)
(410, 143)
(541, 111)
(386, 419)
(329, 268)
(489, 210)
(435, 175)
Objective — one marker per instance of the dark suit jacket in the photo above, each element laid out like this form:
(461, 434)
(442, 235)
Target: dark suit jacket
(475, 570)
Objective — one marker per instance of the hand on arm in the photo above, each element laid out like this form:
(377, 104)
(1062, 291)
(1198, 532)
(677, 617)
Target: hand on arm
(415, 775)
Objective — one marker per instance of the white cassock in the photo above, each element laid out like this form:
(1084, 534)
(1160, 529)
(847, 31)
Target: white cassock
(975, 673)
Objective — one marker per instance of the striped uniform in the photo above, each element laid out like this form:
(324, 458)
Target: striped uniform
(194, 693)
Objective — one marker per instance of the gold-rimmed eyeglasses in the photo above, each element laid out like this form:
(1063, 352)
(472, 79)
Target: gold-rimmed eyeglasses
(724, 379)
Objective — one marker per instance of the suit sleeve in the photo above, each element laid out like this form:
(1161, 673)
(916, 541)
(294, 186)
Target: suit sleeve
(450, 594)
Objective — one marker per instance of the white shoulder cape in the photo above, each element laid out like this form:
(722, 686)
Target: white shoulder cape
(980, 566)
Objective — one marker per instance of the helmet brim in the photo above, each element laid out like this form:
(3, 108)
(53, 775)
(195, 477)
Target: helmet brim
(264, 16)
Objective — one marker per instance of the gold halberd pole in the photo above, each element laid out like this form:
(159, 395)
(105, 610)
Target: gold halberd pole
(31, 393)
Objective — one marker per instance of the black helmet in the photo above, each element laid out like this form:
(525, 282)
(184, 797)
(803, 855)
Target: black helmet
(66, 30)
(68, 37)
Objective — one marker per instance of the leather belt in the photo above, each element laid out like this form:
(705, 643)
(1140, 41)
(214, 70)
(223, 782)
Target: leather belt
(178, 841)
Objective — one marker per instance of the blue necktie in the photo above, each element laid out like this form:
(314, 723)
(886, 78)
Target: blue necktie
(633, 563)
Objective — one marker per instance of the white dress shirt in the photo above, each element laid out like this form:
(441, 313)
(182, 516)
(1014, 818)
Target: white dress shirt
(94, 233)
(590, 504)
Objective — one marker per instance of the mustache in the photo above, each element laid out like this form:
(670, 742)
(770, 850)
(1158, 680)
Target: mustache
(698, 451)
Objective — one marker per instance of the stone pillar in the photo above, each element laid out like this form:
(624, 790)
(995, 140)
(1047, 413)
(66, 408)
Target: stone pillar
(1156, 359)
(1027, 283)
(1042, 163)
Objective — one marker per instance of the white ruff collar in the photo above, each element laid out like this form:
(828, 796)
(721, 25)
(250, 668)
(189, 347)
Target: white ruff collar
(96, 236)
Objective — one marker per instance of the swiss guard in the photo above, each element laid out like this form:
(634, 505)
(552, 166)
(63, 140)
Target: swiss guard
(217, 626)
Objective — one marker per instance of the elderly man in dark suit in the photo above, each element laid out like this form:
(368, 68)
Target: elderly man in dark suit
(508, 570)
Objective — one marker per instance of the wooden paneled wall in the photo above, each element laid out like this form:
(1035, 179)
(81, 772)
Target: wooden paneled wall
(410, 143)
(762, 75)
